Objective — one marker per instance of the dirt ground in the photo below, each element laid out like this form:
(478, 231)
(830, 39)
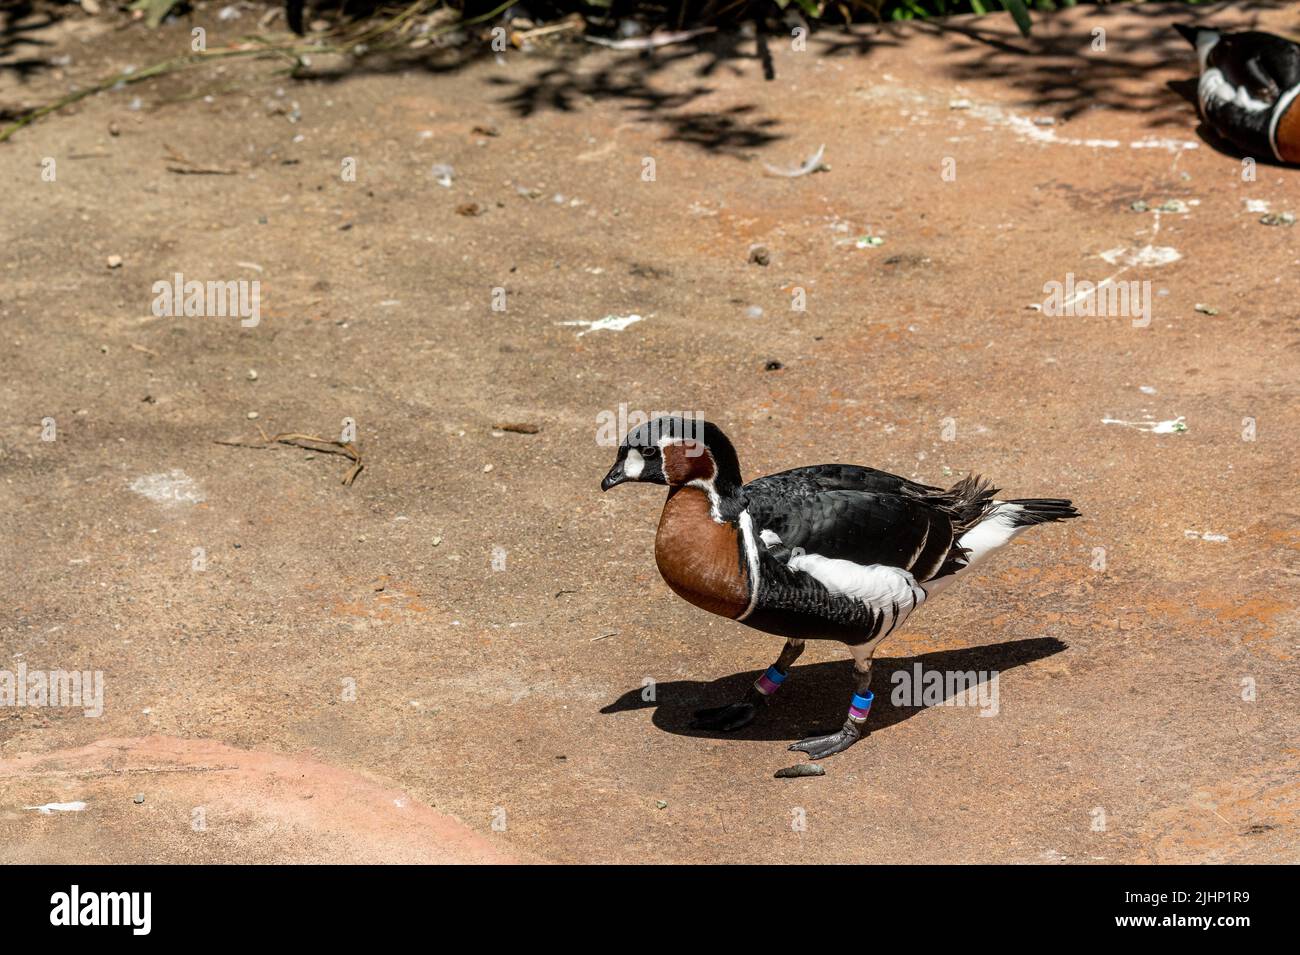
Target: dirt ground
(446, 660)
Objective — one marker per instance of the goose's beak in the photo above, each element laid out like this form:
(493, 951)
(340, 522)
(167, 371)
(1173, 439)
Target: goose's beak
(614, 477)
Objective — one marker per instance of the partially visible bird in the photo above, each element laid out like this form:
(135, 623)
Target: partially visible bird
(834, 551)
(1249, 86)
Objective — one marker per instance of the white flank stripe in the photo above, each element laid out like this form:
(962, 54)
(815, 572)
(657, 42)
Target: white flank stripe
(877, 586)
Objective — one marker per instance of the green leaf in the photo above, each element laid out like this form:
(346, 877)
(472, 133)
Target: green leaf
(1018, 13)
(812, 8)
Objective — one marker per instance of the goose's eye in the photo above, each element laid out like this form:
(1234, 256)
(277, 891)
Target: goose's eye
(650, 452)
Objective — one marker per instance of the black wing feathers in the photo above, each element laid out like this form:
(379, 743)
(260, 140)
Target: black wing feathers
(866, 516)
(834, 477)
(1263, 63)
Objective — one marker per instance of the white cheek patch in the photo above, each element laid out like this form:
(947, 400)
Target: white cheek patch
(633, 464)
(770, 538)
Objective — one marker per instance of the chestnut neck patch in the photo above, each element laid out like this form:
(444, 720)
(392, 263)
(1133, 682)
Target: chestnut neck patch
(687, 461)
(1286, 142)
(701, 560)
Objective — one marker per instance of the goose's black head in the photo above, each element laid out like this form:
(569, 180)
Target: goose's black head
(677, 451)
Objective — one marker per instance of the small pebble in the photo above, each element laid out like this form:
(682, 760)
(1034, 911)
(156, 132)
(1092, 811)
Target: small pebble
(773, 366)
(252, 375)
(442, 174)
(114, 261)
(487, 468)
(660, 804)
(800, 769)
(253, 416)
(758, 255)
(139, 799)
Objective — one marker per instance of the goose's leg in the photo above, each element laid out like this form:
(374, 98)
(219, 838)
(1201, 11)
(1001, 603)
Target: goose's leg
(735, 715)
(855, 726)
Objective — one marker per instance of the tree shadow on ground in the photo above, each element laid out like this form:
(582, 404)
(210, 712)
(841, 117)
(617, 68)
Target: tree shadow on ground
(571, 76)
(17, 20)
(1057, 68)
(817, 696)
(635, 79)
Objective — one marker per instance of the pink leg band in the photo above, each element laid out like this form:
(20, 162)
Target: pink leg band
(861, 706)
(769, 682)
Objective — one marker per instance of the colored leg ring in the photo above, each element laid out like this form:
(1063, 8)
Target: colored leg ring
(770, 681)
(861, 706)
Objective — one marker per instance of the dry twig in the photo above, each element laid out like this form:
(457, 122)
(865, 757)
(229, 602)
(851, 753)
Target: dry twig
(312, 443)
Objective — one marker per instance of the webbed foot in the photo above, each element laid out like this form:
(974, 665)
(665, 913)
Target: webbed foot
(819, 747)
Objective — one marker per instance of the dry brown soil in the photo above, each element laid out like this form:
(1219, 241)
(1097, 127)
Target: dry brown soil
(350, 678)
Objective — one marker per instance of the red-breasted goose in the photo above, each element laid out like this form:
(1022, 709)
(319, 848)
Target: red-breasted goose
(834, 551)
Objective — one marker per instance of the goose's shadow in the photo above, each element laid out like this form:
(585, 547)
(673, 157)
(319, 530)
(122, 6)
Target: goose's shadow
(816, 696)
